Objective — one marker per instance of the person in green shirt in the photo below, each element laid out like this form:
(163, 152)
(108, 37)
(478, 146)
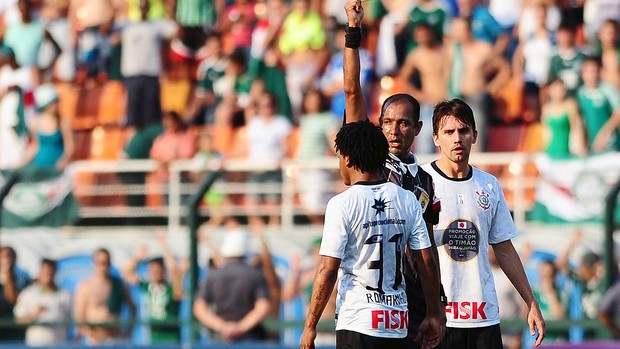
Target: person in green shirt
(599, 104)
(566, 62)
(161, 297)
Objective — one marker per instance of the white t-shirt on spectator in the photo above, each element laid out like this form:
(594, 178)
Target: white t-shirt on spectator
(141, 42)
(57, 308)
(266, 139)
(368, 226)
(473, 215)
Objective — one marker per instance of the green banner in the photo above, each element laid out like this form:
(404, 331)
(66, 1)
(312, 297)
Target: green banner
(41, 197)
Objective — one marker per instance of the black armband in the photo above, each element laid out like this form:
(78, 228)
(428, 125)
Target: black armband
(352, 37)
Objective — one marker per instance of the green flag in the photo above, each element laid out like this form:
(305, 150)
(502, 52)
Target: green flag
(42, 197)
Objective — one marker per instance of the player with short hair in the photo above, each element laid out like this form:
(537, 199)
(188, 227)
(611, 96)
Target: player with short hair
(474, 215)
(367, 228)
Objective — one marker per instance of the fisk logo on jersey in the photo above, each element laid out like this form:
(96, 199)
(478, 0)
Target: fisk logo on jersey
(466, 310)
(389, 319)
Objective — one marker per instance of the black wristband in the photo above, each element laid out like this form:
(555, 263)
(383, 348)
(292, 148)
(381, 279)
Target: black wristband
(352, 37)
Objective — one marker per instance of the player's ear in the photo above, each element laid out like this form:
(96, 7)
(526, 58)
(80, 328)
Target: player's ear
(418, 127)
(436, 140)
(475, 137)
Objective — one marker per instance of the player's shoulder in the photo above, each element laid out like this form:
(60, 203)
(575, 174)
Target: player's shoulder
(483, 176)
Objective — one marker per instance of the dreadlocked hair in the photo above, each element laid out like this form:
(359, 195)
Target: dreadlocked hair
(364, 144)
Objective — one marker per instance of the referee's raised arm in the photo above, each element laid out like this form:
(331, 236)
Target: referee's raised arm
(355, 103)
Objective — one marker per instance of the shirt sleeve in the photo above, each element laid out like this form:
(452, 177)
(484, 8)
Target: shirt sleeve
(502, 226)
(24, 304)
(418, 235)
(610, 300)
(335, 231)
(202, 291)
(261, 289)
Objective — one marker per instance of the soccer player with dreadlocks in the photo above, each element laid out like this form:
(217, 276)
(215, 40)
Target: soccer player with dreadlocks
(367, 228)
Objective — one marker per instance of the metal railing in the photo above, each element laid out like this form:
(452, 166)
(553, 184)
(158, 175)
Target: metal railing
(508, 167)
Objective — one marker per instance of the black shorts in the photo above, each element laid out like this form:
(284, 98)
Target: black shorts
(489, 337)
(355, 340)
(143, 100)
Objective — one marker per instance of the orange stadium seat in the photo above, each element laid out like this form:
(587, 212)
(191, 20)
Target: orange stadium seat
(533, 138)
(293, 142)
(87, 107)
(106, 143)
(112, 104)
(175, 94)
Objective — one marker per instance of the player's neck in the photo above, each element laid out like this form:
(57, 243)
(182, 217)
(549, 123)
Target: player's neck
(366, 177)
(453, 169)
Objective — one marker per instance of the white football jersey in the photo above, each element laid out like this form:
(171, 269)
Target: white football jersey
(368, 226)
(473, 215)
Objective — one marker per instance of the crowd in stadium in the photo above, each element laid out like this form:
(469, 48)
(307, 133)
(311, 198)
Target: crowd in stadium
(263, 71)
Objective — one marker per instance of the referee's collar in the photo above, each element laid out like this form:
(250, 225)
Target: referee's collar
(411, 163)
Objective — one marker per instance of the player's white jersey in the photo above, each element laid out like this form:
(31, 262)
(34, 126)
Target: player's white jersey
(473, 215)
(367, 226)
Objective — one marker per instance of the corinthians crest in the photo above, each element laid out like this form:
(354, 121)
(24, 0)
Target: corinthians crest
(483, 199)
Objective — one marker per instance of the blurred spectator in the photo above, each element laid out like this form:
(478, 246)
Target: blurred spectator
(161, 296)
(510, 306)
(470, 64)
(395, 20)
(92, 22)
(270, 72)
(546, 292)
(609, 310)
(265, 261)
(26, 36)
(600, 107)
(141, 66)
(233, 91)
(156, 10)
(9, 13)
(299, 283)
(98, 300)
(195, 18)
(208, 157)
(422, 74)
(566, 62)
(44, 302)
(12, 282)
(596, 12)
(317, 131)
(234, 299)
(139, 148)
(54, 15)
(609, 51)
(267, 134)
(563, 127)
(14, 80)
(304, 48)
(173, 144)
(430, 12)
(271, 14)
(507, 14)
(484, 27)
(203, 103)
(530, 17)
(332, 81)
(589, 276)
(531, 63)
(237, 22)
(52, 144)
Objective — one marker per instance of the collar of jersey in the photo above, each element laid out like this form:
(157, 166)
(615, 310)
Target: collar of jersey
(381, 181)
(412, 166)
(438, 170)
